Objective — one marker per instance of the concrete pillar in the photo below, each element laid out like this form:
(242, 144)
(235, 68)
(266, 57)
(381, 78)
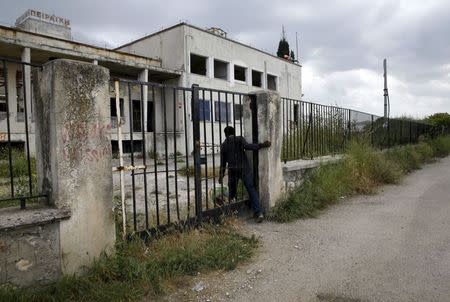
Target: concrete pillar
(210, 67)
(143, 77)
(74, 156)
(269, 122)
(264, 76)
(231, 73)
(248, 76)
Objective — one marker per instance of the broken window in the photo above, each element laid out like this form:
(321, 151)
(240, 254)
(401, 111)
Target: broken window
(220, 70)
(198, 64)
(205, 110)
(222, 112)
(239, 73)
(256, 78)
(271, 82)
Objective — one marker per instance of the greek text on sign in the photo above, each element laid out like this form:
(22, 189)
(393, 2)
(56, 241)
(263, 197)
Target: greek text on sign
(37, 15)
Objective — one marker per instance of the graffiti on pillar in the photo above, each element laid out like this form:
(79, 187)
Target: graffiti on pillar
(75, 139)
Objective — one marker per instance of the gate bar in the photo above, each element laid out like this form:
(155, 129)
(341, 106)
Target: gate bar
(119, 142)
(196, 135)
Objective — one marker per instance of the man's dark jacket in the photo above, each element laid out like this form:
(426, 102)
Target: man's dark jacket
(232, 153)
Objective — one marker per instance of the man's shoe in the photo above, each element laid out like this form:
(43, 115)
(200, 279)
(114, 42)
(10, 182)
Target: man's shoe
(260, 218)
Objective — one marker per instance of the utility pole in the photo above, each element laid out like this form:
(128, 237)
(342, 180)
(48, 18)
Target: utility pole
(386, 94)
(296, 48)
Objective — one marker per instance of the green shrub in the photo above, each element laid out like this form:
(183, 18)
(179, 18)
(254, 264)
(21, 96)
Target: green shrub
(361, 171)
(19, 163)
(441, 146)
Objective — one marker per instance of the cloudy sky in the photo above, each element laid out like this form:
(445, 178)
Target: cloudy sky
(341, 43)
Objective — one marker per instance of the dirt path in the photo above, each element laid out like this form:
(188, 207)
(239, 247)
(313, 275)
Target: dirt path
(394, 246)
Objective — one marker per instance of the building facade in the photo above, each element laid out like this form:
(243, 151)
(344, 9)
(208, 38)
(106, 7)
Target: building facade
(182, 55)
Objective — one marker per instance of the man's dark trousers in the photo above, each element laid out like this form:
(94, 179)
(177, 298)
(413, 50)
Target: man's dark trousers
(233, 178)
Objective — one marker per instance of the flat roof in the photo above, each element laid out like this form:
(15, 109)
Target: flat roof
(42, 42)
(208, 32)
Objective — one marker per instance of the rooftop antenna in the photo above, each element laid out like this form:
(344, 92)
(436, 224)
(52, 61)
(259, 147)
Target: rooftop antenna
(387, 104)
(296, 47)
(283, 33)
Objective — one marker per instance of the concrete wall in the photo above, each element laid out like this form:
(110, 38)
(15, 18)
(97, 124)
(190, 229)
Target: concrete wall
(45, 28)
(174, 46)
(29, 245)
(166, 46)
(74, 156)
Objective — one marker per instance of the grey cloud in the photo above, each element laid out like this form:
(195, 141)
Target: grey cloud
(337, 39)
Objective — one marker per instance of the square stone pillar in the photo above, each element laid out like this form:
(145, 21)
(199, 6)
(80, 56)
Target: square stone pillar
(73, 155)
(269, 127)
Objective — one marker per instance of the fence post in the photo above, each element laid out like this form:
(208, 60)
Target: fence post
(349, 125)
(371, 132)
(268, 120)
(197, 162)
(73, 151)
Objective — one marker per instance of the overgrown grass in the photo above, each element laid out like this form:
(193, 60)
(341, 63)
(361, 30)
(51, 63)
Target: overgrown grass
(361, 171)
(19, 163)
(139, 269)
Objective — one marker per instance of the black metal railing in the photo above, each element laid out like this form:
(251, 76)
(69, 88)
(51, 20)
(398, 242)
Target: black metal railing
(311, 130)
(17, 165)
(172, 167)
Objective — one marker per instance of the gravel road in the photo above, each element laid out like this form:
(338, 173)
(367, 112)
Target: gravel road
(393, 246)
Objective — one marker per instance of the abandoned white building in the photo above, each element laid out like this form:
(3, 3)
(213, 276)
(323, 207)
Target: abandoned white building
(181, 55)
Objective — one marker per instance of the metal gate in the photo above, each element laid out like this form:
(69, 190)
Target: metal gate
(18, 179)
(166, 148)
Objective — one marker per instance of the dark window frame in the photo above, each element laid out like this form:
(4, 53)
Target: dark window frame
(195, 67)
(238, 72)
(223, 118)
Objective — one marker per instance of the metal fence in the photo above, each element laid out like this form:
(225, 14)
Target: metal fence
(311, 130)
(17, 166)
(169, 176)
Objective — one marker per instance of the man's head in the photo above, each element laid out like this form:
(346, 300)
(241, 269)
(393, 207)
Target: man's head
(229, 131)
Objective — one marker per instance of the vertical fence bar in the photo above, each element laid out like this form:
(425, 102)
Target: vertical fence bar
(133, 183)
(283, 118)
(155, 158)
(254, 107)
(144, 155)
(213, 147)
(166, 155)
(206, 146)
(119, 143)
(220, 130)
(175, 158)
(186, 143)
(8, 127)
(196, 136)
(371, 131)
(27, 139)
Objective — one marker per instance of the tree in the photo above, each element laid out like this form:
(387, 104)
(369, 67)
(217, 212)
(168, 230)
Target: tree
(439, 119)
(283, 46)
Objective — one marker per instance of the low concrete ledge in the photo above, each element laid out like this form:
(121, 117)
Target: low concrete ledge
(304, 164)
(13, 218)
